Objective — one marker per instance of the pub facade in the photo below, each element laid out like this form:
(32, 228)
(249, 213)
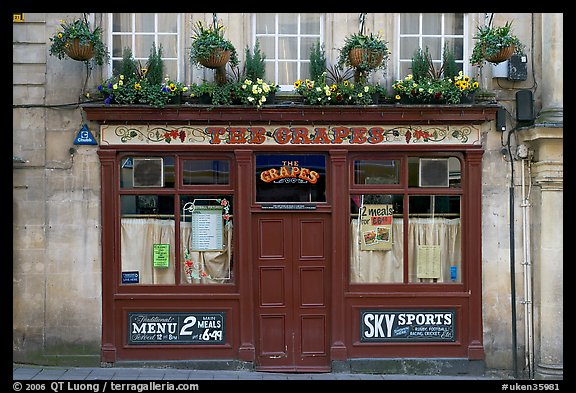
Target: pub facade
(300, 238)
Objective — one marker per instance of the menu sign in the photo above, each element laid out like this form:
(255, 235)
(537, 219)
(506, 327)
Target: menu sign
(207, 228)
(176, 327)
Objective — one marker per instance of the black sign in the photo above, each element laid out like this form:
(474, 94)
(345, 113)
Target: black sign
(288, 206)
(130, 277)
(176, 328)
(412, 325)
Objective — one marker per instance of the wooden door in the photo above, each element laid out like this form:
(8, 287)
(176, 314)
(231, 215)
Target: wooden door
(292, 284)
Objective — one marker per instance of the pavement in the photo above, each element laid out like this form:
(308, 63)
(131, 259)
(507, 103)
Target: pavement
(22, 372)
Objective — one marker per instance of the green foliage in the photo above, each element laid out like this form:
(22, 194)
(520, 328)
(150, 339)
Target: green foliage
(490, 40)
(419, 65)
(423, 67)
(128, 66)
(205, 39)
(134, 85)
(255, 92)
(430, 90)
(79, 28)
(336, 75)
(317, 61)
(449, 63)
(155, 65)
(255, 67)
(318, 92)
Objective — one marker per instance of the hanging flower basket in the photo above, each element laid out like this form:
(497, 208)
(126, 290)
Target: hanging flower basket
(79, 51)
(359, 55)
(503, 55)
(218, 58)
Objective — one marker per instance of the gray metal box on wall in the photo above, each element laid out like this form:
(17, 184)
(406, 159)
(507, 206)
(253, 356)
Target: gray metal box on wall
(518, 67)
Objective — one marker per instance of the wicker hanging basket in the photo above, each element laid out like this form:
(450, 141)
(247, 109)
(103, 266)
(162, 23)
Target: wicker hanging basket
(358, 55)
(503, 55)
(218, 58)
(78, 51)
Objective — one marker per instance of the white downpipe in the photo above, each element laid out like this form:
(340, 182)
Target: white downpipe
(527, 263)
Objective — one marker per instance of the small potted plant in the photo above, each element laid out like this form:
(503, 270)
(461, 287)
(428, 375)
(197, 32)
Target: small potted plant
(76, 40)
(211, 49)
(495, 44)
(365, 53)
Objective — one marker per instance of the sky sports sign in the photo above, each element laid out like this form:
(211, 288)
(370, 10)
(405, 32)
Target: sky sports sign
(413, 325)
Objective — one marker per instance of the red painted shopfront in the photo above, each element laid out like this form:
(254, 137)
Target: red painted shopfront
(291, 237)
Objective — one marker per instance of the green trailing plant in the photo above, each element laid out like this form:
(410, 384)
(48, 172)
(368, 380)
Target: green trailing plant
(207, 38)
(255, 67)
(491, 39)
(317, 60)
(79, 29)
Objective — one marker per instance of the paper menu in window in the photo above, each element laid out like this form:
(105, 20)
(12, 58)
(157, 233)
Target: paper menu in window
(207, 228)
(428, 261)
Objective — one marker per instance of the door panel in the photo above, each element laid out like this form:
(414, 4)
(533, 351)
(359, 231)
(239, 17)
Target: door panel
(292, 271)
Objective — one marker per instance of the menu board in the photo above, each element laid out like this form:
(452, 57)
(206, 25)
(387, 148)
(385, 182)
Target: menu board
(207, 228)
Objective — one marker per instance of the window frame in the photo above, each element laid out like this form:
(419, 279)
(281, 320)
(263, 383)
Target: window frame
(277, 35)
(466, 67)
(406, 191)
(179, 51)
(177, 192)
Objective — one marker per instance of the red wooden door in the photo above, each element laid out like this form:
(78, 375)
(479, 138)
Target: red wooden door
(292, 283)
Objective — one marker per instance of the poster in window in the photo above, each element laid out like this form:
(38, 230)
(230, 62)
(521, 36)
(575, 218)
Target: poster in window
(376, 227)
(161, 255)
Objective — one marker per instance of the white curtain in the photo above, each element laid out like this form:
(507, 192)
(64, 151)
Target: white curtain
(376, 266)
(138, 237)
(215, 264)
(140, 234)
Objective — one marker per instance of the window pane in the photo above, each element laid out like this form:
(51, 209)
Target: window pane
(288, 23)
(309, 23)
(287, 48)
(169, 45)
(206, 172)
(408, 46)
(144, 22)
(265, 24)
(434, 239)
(147, 172)
(122, 22)
(409, 23)
(434, 174)
(167, 23)
(206, 239)
(287, 72)
(119, 42)
(147, 239)
(431, 23)
(454, 24)
(434, 44)
(306, 46)
(290, 178)
(376, 240)
(377, 172)
(143, 47)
